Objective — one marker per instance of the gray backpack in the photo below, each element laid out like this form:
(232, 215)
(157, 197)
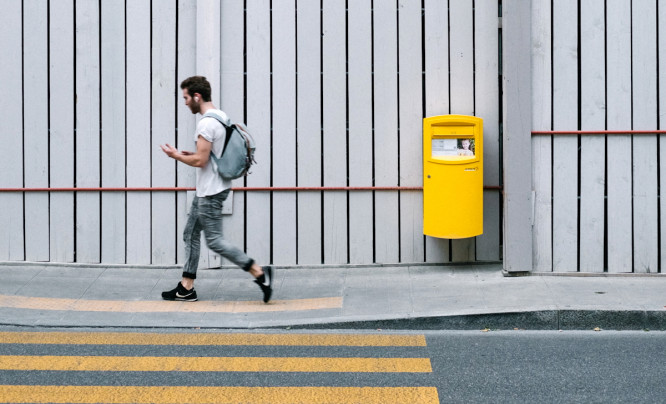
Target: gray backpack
(238, 153)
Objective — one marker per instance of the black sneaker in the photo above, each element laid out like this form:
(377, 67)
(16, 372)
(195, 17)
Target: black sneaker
(265, 282)
(180, 293)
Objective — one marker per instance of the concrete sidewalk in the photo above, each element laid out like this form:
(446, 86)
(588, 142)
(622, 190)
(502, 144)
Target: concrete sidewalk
(357, 297)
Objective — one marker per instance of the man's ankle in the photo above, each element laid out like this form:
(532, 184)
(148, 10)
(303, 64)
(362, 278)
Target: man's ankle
(256, 271)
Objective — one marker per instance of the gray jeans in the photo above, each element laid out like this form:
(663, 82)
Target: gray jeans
(206, 215)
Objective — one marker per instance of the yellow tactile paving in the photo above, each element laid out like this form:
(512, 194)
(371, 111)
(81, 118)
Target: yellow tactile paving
(160, 306)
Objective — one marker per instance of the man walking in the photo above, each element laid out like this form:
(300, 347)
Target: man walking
(211, 191)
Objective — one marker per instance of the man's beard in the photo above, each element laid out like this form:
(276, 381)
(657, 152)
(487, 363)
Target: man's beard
(195, 108)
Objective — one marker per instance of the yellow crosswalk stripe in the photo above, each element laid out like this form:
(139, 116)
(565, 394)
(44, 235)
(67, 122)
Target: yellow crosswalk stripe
(129, 338)
(232, 395)
(213, 364)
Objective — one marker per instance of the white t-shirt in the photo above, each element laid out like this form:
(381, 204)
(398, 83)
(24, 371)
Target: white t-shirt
(209, 181)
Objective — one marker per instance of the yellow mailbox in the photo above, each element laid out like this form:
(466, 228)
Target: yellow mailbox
(452, 176)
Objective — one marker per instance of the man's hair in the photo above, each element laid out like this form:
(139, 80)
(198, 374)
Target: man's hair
(197, 84)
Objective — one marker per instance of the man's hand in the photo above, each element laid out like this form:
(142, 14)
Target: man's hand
(170, 150)
(194, 159)
(173, 152)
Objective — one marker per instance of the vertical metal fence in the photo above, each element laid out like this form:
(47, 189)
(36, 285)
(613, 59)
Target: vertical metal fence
(598, 82)
(335, 92)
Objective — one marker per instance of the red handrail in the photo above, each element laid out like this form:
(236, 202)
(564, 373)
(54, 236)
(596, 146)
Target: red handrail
(598, 132)
(239, 189)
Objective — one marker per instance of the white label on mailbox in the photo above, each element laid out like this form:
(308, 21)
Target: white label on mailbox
(444, 147)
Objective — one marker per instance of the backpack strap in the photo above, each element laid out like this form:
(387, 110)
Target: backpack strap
(229, 129)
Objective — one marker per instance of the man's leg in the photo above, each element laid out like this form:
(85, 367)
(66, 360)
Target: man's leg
(192, 238)
(210, 216)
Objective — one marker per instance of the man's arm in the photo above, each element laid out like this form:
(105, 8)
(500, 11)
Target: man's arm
(197, 159)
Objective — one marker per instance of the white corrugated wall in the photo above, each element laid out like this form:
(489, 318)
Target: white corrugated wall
(334, 91)
(598, 65)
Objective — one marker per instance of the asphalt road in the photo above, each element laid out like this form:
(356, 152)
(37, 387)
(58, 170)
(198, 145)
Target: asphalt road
(331, 366)
(550, 367)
